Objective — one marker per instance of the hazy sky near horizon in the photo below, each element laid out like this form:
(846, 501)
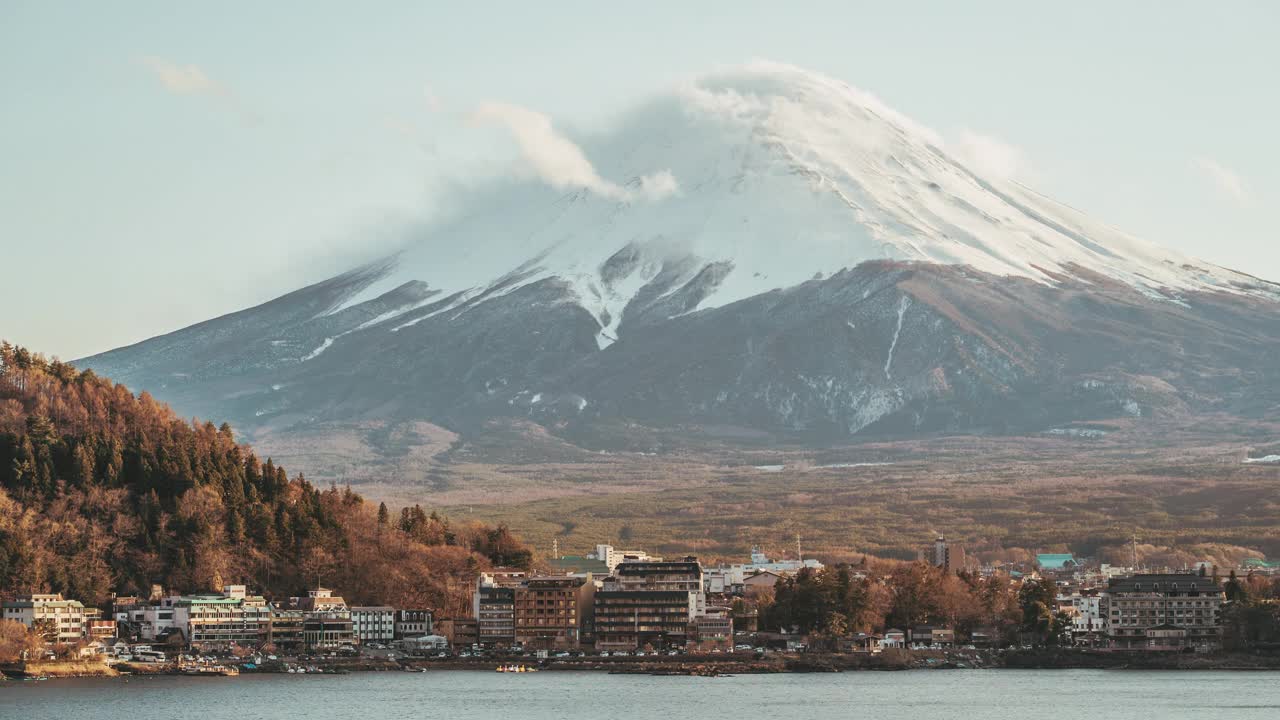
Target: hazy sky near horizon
(164, 163)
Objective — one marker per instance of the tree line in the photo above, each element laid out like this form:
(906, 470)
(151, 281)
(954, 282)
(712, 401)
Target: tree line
(105, 491)
(875, 595)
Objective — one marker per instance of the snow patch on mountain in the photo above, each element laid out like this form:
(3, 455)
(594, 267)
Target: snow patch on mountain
(328, 343)
(903, 304)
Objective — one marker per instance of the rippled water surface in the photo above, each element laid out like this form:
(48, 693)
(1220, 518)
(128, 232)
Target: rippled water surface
(967, 694)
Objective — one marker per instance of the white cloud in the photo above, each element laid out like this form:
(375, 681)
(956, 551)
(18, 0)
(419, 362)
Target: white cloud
(182, 79)
(659, 185)
(1227, 181)
(989, 155)
(558, 161)
(193, 80)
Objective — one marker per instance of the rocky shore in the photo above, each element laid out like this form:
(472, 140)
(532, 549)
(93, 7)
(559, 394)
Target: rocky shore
(59, 669)
(717, 665)
(889, 660)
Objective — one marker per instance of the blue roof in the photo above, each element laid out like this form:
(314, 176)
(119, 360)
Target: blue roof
(1054, 561)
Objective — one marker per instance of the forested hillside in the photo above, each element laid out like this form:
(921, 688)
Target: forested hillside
(104, 491)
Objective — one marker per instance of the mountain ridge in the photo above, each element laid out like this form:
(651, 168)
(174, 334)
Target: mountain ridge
(821, 267)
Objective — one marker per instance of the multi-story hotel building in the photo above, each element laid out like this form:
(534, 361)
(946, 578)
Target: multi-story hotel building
(494, 609)
(215, 620)
(550, 612)
(649, 603)
(1163, 612)
(322, 620)
(65, 619)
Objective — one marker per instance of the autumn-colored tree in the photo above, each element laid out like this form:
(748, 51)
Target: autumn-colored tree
(102, 491)
(916, 595)
(13, 640)
(46, 629)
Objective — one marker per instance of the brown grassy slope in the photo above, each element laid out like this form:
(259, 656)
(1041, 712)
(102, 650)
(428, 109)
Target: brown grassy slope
(1172, 487)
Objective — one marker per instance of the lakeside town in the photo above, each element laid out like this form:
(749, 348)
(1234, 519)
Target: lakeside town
(612, 604)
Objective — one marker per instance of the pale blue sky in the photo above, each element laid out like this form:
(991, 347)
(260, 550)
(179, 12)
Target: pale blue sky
(162, 163)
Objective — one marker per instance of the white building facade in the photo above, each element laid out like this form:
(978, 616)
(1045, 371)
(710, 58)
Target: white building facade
(64, 618)
(373, 624)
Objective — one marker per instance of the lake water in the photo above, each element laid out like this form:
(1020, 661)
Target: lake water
(460, 695)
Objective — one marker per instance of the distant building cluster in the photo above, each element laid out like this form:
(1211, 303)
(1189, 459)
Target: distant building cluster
(320, 620)
(628, 600)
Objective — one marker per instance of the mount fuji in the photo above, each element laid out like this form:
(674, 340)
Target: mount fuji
(764, 249)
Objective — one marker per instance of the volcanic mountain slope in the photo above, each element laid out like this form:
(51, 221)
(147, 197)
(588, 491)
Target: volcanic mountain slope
(777, 251)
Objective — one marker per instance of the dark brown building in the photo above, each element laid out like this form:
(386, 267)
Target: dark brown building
(551, 612)
(495, 615)
(631, 619)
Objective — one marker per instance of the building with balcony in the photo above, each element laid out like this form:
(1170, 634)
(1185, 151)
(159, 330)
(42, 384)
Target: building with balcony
(632, 619)
(141, 620)
(64, 619)
(650, 602)
(322, 619)
(98, 627)
(551, 612)
(1088, 623)
(494, 611)
(285, 631)
(234, 617)
(713, 631)
(459, 632)
(1135, 605)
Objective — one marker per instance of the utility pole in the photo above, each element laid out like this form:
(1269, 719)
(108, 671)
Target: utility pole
(555, 548)
(799, 555)
(1135, 552)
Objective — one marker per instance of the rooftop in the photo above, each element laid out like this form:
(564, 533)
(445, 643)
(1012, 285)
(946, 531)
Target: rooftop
(646, 567)
(1055, 561)
(577, 563)
(1164, 582)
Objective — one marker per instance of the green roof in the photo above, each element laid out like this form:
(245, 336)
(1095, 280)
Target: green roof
(577, 563)
(1054, 561)
(1260, 563)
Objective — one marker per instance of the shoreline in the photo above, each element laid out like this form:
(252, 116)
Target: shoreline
(713, 665)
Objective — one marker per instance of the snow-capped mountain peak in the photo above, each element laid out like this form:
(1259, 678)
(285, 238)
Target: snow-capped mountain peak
(762, 247)
(782, 175)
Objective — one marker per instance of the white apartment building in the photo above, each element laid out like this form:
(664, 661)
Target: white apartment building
(373, 623)
(1087, 617)
(612, 557)
(214, 620)
(150, 621)
(68, 616)
(723, 579)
